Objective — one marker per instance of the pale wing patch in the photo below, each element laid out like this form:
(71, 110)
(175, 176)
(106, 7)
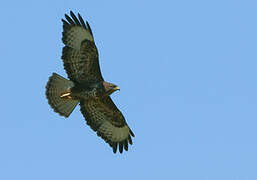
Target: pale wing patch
(114, 134)
(76, 35)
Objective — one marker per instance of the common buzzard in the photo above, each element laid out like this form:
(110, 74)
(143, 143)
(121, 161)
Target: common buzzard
(87, 86)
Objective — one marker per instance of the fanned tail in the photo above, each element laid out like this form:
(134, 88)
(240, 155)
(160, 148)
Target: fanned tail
(55, 88)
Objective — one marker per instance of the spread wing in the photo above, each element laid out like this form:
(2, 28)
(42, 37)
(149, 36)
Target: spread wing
(80, 55)
(105, 118)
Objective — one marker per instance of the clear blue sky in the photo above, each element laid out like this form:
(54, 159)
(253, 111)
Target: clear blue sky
(187, 72)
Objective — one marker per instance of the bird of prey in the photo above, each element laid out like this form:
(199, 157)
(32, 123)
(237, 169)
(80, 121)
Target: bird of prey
(87, 86)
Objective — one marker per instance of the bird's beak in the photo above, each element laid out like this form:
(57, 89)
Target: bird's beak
(116, 88)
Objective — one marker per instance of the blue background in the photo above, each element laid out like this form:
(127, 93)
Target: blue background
(187, 72)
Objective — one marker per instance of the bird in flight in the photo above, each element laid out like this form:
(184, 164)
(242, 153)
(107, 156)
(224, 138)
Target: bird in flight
(86, 86)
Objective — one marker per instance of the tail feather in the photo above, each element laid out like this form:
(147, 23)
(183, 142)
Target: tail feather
(57, 85)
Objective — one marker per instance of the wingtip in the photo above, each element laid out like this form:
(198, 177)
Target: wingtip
(114, 146)
(132, 134)
(121, 147)
(126, 145)
(72, 14)
(130, 140)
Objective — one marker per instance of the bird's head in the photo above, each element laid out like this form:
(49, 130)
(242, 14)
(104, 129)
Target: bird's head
(109, 88)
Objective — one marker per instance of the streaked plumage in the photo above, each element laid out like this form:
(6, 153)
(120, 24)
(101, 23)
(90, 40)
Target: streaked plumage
(87, 86)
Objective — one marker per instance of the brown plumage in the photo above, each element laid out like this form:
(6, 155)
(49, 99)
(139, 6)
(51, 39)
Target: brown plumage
(87, 86)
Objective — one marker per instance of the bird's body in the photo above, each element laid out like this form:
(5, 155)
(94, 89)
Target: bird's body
(87, 86)
(87, 92)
